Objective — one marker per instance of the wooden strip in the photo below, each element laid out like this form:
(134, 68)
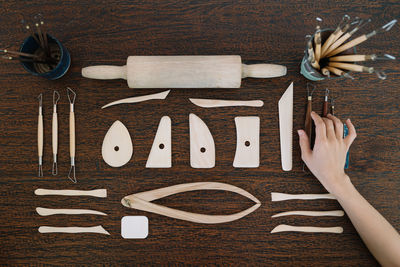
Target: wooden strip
(336, 213)
(282, 196)
(307, 229)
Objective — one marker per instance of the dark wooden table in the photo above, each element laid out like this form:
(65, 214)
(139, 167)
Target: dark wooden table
(106, 32)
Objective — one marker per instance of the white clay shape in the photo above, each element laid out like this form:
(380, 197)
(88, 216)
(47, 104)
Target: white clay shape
(247, 142)
(160, 153)
(202, 147)
(117, 145)
(285, 106)
(134, 227)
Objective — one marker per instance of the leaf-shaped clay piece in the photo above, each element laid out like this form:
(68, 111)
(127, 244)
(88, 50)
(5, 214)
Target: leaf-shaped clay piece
(141, 201)
(117, 147)
(202, 147)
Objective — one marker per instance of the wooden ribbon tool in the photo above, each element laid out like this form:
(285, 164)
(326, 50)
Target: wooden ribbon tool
(40, 136)
(142, 201)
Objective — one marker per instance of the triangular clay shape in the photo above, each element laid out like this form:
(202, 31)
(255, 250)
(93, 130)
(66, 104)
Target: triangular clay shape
(202, 147)
(117, 147)
(160, 153)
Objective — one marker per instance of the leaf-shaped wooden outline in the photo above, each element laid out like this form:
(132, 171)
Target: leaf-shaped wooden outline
(141, 201)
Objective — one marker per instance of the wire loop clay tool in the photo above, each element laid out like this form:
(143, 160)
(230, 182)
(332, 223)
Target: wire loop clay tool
(71, 98)
(117, 147)
(56, 97)
(142, 201)
(40, 136)
(184, 71)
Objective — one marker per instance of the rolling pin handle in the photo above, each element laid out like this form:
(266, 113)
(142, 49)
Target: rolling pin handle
(263, 71)
(105, 72)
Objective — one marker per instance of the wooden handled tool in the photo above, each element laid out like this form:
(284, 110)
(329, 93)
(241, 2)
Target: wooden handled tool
(56, 97)
(184, 71)
(352, 67)
(40, 136)
(71, 174)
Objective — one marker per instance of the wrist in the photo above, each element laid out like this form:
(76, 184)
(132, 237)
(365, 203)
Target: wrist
(343, 188)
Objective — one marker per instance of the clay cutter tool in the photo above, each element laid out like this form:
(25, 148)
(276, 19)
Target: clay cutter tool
(363, 38)
(40, 136)
(71, 97)
(56, 97)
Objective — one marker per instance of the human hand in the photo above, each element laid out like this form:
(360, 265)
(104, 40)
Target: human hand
(328, 157)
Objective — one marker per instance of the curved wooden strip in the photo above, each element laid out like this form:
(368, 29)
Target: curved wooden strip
(137, 99)
(93, 193)
(337, 213)
(307, 229)
(215, 103)
(140, 204)
(180, 188)
(282, 196)
(141, 201)
(47, 212)
(73, 230)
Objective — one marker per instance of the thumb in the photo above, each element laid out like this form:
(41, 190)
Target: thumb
(304, 145)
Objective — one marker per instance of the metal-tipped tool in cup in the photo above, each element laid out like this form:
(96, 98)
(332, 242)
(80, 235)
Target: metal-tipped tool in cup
(56, 97)
(40, 136)
(71, 98)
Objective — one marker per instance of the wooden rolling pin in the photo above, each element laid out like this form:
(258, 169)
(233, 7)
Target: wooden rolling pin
(184, 71)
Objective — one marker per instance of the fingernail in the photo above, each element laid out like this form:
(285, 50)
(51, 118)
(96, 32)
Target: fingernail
(300, 132)
(348, 120)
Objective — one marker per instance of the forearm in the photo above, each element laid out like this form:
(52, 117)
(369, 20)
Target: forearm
(379, 236)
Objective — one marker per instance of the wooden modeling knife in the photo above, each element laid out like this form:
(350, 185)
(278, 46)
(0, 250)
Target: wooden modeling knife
(285, 106)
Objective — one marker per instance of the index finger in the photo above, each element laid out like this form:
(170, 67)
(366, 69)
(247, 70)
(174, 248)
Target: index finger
(320, 128)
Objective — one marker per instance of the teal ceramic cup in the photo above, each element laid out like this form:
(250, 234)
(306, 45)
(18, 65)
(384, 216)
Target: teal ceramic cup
(57, 50)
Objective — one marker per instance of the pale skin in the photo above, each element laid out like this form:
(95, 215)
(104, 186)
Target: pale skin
(326, 161)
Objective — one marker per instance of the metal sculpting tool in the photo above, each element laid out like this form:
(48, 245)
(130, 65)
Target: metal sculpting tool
(341, 28)
(325, 106)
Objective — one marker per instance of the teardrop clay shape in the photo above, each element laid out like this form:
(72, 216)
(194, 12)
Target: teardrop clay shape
(117, 145)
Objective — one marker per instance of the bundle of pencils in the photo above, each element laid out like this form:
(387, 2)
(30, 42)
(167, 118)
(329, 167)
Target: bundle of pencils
(43, 55)
(332, 55)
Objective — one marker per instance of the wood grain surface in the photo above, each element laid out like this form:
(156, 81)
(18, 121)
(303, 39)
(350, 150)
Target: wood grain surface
(106, 32)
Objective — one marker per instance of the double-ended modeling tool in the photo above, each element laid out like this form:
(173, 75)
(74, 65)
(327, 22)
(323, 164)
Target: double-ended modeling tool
(184, 71)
